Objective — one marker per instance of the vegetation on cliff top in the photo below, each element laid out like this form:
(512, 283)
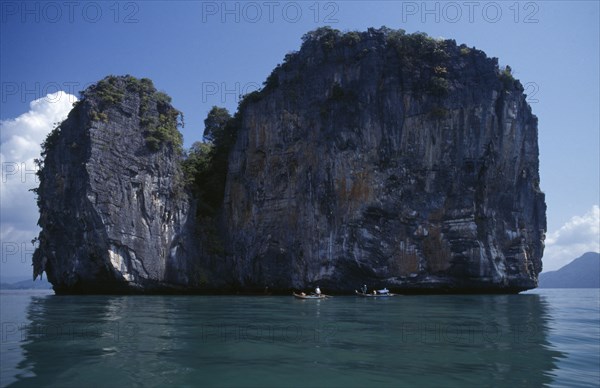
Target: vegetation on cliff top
(423, 60)
(159, 119)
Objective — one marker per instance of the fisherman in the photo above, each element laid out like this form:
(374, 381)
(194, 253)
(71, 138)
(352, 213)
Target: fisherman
(364, 289)
(318, 291)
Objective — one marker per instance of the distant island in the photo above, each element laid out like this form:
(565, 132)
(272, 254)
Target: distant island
(379, 157)
(583, 272)
(39, 284)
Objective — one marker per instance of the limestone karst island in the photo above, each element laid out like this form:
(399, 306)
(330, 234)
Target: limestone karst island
(376, 157)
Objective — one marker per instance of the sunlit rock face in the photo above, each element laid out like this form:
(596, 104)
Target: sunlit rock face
(386, 159)
(115, 216)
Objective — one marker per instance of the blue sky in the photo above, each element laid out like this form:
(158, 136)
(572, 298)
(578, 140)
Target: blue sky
(206, 53)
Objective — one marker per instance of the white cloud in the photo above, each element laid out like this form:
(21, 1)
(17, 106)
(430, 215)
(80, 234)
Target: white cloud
(20, 140)
(579, 235)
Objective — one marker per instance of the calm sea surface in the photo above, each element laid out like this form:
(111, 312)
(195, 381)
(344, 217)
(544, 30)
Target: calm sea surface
(544, 337)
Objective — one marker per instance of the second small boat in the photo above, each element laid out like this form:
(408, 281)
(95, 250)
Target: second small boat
(385, 293)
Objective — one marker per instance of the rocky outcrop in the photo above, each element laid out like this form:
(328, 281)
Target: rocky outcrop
(387, 159)
(114, 213)
(374, 158)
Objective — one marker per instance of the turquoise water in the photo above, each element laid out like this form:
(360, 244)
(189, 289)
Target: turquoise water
(545, 337)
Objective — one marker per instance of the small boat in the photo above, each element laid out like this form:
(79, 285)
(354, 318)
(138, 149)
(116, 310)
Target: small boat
(313, 296)
(378, 294)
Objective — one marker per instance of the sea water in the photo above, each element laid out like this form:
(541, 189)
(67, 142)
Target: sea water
(539, 338)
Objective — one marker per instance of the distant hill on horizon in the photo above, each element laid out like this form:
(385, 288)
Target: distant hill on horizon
(583, 272)
(40, 284)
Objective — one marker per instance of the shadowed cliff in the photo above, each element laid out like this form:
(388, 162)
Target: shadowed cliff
(391, 159)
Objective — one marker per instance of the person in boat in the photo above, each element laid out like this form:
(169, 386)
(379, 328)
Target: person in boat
(318, 291)
(364, 289)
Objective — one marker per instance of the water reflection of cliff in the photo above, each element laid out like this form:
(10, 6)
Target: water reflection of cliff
(431, 340)
(475, 340)
(65, 339)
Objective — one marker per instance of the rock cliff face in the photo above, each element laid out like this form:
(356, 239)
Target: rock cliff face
(387, 159)
(374, 158)
(114, 214)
